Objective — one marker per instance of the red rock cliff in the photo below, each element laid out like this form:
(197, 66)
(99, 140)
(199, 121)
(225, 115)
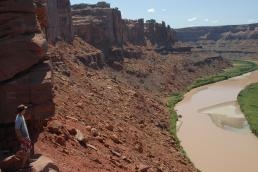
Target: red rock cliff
(104, 28)
(159, 33)
(98, 25)
(134, 32)
(24, 75)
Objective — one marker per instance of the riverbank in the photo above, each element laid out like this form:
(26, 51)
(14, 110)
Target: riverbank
(247, 100)
(212, 121)
(239, 67)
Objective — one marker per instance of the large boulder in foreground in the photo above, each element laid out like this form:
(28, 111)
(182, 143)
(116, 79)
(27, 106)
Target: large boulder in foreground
(42, 164)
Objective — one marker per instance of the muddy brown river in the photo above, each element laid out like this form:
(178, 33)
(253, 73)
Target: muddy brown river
(214, 132)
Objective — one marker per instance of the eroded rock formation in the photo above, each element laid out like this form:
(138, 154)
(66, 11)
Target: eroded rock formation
(104, 28)
(159, 33)
(98, 25)
(134, 32)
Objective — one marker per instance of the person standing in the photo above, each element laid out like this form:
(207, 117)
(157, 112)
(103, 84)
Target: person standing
(22, 134)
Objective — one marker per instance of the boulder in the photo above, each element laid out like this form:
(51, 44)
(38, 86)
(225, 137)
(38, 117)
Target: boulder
(94, 132)
(11, 163)
(44, 164)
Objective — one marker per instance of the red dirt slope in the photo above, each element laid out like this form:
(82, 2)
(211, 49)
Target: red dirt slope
(108, 120)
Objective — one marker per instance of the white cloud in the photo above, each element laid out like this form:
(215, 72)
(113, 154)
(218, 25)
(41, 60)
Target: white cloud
(215, 21)
(251, 21)
(192, 19)
(151, 10)
(164, 10)
(206, 20)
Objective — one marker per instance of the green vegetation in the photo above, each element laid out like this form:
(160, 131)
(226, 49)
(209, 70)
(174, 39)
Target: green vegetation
(173, 100)
(239, 67)
(248, 101)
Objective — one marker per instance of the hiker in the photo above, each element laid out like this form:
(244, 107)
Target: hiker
(22, 134)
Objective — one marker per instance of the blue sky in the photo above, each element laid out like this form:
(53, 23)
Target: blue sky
(186, 13)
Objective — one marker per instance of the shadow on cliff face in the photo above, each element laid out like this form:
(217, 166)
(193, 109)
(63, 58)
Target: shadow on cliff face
(34, 88)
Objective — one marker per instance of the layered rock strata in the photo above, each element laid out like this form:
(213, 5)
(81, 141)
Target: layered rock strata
(98, 25)
(21, 43)
(25, 76)
(104, 28)
(134, 32)
(159, 33)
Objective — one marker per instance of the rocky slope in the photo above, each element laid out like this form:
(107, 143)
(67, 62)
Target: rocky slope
(109, 120)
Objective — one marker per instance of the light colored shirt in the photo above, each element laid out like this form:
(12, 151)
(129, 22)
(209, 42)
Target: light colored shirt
(21, 125)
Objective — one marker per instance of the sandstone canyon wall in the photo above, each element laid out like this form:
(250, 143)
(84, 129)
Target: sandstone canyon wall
(134, 32)
(59, 27)
(25, 74)
(98, 25)
(159, 33)
(104, 28)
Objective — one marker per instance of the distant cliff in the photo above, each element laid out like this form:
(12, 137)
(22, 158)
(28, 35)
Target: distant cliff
(25, 74)
(59, 21)
(104, 28)
(230, 32)
(98, 25)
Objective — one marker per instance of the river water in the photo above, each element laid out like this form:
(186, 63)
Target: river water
(214, 132)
